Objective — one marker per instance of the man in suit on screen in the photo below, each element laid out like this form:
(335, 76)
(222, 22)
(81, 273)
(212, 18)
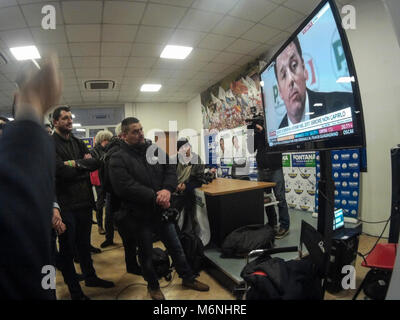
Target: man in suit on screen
(302, 103)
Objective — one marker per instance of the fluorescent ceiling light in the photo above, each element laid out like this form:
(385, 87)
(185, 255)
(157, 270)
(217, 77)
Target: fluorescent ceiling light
(150, 87)
(175, 52)
(76, 125)
(25, 53)
(73, 116)
(81, 130)
(11, 119)
(345, 80)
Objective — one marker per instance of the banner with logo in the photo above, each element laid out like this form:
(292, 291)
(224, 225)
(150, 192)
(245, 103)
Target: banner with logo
(346, 175)
(299, 173)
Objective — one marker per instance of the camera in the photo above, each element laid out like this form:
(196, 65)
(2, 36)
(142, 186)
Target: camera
(257, 118)
(208, 177)
(169, 215)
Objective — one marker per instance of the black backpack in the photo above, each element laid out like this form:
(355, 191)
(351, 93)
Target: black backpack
(161, 263)
(194, 250)
(245, 239)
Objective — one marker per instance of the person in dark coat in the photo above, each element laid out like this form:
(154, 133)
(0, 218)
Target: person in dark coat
(102, 138)
(75, 197)
(27, 189)
(144, 186)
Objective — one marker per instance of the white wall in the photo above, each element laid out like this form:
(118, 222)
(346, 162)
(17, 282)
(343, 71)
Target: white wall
(376, 55)
(194, 120)
(158, 115)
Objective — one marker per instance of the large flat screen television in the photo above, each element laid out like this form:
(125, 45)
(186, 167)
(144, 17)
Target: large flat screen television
(311, 97)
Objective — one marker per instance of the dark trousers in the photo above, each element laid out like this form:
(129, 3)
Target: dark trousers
(125, 227)
(112, 205)
(77, 235)
(100, 205)
(185, 201)
(168, 235)
(279, 191)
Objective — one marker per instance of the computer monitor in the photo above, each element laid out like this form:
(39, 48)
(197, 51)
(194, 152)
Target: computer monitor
(310, 91)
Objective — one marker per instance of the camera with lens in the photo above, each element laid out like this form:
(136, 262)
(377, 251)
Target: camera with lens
(208, 177)
(257, 118)
(169, 215)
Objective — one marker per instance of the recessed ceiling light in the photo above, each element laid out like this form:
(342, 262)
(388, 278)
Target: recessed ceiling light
(73, 116)
(76, 125)
(11, 119)
(175, 52)
(25, 53)
(81, 130)
(150, 87)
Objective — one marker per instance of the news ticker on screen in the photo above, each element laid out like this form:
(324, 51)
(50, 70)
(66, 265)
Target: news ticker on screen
(330, 125)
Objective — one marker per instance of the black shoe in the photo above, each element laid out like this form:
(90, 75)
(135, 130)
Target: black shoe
(76, 260)
(94, 250)
(94, 222)
(97, 282)
(134, 270)
(80, 277)
(107, 243)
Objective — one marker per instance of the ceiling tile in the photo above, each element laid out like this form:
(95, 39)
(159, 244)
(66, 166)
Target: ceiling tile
(60, 49)
(215, 67)
(242, 46)
(117, 62)
(253, 10)
(169, 64)
(227, 57)
(89, 49)
(204, 55)
(303, 6)
(161, 73)
(11, 67)
(216, 42)
(119, 33)
(155, 35)
(82, 12)
(163, 16)
(186, 38)
(112, 49)
(83, 33)
(8, 3)
(112, 72)
(200, 20)
(50, 36)
(279, 39)
(282, 18)
(202, 75)
(11, 18)
(34, 16)
(260, 33)
(141, 62)
(86, 62)
(87, 72)
(231, 26)
(146, 50)
(181, 3)
(136, 72)
(15, 38)
(123, 12)
(220, 6)
(65, 63)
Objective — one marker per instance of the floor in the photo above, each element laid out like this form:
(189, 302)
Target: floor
(110, 265)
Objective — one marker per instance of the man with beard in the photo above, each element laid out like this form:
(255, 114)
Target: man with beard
(75, 197)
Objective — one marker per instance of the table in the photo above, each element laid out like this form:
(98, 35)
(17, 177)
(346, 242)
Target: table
(232, 204)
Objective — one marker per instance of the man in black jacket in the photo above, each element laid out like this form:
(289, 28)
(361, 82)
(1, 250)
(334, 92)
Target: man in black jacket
(75, 197)
(27, 189)
(144, 187)
(269, 168)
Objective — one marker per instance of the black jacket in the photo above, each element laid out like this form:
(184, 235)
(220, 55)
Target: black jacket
(136, 182)
(73, 186)
(98, 151)
(265, 160)
(331, 102)
(26, 207)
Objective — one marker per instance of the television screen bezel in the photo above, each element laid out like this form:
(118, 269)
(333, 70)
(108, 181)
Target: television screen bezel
(355, 140)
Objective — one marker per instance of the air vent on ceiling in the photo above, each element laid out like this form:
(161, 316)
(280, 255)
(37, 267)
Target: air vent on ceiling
(96, 85)
(3, 59)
